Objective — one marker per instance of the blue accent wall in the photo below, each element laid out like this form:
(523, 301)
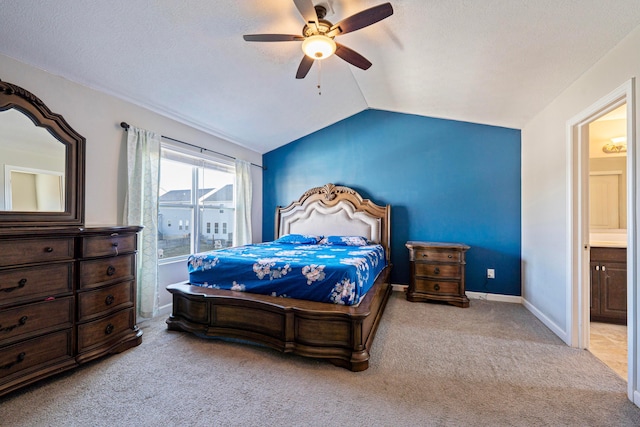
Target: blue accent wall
(445, 180)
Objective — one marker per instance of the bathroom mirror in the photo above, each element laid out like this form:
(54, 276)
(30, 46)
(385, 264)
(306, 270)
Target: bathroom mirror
(41, 163)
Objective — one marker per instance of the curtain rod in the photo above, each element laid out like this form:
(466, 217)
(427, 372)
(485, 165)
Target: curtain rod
(125, 125)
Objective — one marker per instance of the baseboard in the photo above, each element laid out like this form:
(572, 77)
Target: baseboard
(165, 310)
(475, 295)
(562, 334)
(494, 297)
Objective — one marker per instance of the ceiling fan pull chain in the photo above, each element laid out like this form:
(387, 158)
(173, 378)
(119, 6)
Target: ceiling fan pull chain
(319, 76)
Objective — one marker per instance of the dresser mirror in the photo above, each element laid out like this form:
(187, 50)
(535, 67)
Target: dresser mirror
(41, 163)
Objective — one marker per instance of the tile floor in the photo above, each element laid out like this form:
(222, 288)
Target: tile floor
(608, 342)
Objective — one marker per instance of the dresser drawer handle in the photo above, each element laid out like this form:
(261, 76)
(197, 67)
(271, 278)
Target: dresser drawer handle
(108, 329)
(436, 287)
(21, 322)
(48, 249)
(111, 270)
(449, 256)
(114, 245)
(425, 255)
(436, 270)
(21, 284)
(19, 359)
(109, 299)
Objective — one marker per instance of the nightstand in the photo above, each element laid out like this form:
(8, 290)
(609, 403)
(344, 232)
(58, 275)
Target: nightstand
(437, 272)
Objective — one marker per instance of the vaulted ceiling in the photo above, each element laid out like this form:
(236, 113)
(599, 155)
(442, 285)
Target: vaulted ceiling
(496, 62)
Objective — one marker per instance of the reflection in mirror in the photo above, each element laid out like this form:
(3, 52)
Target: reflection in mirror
(34, 165)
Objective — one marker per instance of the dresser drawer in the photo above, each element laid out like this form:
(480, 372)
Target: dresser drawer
(104, 330)
(36, 353)
(437, 287)
(442, 255)
(95, 303)
(98, 272)
(113, 244)
(33, 283)
(438, 270)
(33, 319)
(27, 251)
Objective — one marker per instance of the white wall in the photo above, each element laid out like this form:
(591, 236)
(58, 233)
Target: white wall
(544, 181)
(97, 117)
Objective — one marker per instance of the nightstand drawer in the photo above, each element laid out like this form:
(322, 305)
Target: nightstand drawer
(438, 270)
(103, 271)
(437, 287)
(437, 255)
(92, 304)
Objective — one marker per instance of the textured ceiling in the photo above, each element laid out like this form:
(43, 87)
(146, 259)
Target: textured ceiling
(496, 62)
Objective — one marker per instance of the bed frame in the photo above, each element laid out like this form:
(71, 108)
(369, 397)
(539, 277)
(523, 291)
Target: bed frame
(341, 334)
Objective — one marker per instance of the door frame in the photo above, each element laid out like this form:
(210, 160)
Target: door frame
(578, 270)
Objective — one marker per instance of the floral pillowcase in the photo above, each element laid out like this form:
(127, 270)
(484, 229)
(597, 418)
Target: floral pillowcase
(299, 239)
(345, 241)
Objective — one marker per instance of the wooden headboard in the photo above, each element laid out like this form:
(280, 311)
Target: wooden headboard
(336, 210)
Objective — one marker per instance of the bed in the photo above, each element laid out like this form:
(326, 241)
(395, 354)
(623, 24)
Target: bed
(341, 333)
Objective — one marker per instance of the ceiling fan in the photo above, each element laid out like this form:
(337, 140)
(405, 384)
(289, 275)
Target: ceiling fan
(318, 34)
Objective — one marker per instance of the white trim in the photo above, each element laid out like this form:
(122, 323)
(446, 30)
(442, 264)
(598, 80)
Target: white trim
(475, 295)
(577, 320)
(494, 297)
(564, 336)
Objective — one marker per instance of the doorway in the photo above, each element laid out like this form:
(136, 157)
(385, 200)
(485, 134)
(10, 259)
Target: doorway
(607, 337)
(579, 237)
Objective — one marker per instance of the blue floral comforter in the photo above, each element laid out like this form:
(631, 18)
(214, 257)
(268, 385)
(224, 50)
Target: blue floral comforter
(315, 272)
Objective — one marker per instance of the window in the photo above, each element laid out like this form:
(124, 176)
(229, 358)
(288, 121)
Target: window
(216, 229)
(224, 228)
(194, 192)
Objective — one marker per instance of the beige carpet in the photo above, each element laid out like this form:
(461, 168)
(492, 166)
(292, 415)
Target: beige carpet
(492, 364)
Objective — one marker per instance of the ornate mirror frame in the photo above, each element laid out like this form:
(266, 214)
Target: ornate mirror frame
(12, 96)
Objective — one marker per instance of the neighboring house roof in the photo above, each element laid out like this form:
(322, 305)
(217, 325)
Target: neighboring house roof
(206, 195)
(182, 195)
(224, 194)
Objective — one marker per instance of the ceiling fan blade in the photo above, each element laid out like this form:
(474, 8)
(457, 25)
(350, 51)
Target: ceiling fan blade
(307, 10)
(352, 57)
(271, 38)
(361, 19)
(304, 67)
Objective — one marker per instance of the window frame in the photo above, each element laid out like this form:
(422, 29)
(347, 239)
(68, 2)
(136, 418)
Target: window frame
(197, 160)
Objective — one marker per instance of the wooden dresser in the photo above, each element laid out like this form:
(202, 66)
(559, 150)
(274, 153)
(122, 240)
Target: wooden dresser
(67, 296)
(437, 272)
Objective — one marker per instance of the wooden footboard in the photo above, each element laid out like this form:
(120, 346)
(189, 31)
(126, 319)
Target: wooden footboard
(341, 334)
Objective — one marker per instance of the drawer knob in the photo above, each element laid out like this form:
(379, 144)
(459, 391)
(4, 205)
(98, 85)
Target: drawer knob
(449, 256)
(424, 255)
(436, 270)
(21, 284)
(114, 245)
(108, 329)
(19, 359)
(436, 287)
(111, 270)
(109, 299)
(48, 249)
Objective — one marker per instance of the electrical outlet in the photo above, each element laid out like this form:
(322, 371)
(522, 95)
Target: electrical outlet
(491, 273)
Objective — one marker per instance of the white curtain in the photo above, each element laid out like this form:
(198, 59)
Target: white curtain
(141, 208)
(242, 196)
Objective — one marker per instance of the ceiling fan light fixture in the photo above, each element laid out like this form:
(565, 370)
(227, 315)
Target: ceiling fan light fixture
(318, 46)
